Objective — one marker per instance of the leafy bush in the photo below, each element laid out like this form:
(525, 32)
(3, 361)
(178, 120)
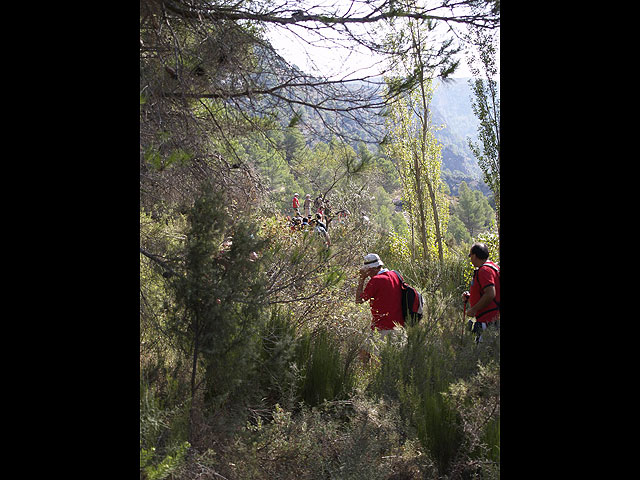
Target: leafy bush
(418, 371)
(415, 373)
(219, 299)
(164, 468)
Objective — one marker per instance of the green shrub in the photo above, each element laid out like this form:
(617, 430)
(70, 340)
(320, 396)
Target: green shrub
(277, 372)
(165, 467)
(162, 435)
(328, 374)
(415, 373)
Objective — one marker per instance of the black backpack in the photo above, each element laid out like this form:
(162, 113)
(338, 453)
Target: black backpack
(411, 302)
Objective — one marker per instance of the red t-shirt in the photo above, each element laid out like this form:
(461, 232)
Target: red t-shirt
(384, 294)
(296, 202)
(482, 278)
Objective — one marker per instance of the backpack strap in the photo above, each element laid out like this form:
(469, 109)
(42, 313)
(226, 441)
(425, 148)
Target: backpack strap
(477, 278)
(399, 276)
(403, 292)
(491, 266)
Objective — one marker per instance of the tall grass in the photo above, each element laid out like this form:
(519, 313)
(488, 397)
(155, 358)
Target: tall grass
(328, 373)
(492, 439)
(312, 366)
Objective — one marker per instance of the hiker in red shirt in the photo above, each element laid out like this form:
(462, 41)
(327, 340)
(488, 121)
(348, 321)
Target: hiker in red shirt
(484, 294)
(383, 292)
(296, 204)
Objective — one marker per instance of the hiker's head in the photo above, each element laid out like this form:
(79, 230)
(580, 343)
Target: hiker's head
(372, 264)
(478, 254)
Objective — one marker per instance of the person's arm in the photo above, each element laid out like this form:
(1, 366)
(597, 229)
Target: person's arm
(363, 275)
(488, 295)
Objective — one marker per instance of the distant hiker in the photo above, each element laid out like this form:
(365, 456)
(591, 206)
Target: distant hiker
(342, 215)
(317, 205)
(307, 205)
(484, 292)
(296, 204)
(383, 292)
(328, 215)
(321, 229)
(295, 222)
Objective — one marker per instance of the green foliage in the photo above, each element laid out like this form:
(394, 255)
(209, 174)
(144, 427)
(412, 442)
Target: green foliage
(486, 106)
(162, 434)
(418, 156)
(271, 163)
(327, 374)
(271, 365)
(415, 374)
(421, 371)
(457, 231)
(417, 370)
(473, 210)
(215, 319)
(166, 466)
(477, 401)
(389, 176)
(249, 333)
(492, 241)
(277, 370)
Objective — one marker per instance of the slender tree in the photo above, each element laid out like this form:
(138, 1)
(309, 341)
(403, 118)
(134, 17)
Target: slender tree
(417, 153)
(412, 140)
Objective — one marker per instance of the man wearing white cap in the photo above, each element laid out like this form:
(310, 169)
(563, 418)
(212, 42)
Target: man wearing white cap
(384, 293)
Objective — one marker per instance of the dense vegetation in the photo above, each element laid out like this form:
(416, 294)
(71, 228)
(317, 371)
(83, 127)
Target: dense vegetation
(249, 333)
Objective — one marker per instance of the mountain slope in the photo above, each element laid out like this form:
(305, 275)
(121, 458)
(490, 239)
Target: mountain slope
(451, 107)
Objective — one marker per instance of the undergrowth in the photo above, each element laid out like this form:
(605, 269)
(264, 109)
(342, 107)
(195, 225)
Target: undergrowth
(296, 402)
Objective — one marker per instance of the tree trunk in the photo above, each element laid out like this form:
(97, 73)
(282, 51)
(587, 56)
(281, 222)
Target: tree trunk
(432, 195)
(421, 207)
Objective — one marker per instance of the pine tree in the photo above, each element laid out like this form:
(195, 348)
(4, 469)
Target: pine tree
(219, 296)
(473, 209)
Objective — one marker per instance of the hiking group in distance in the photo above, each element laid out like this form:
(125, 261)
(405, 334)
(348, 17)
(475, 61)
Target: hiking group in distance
(319, 220)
